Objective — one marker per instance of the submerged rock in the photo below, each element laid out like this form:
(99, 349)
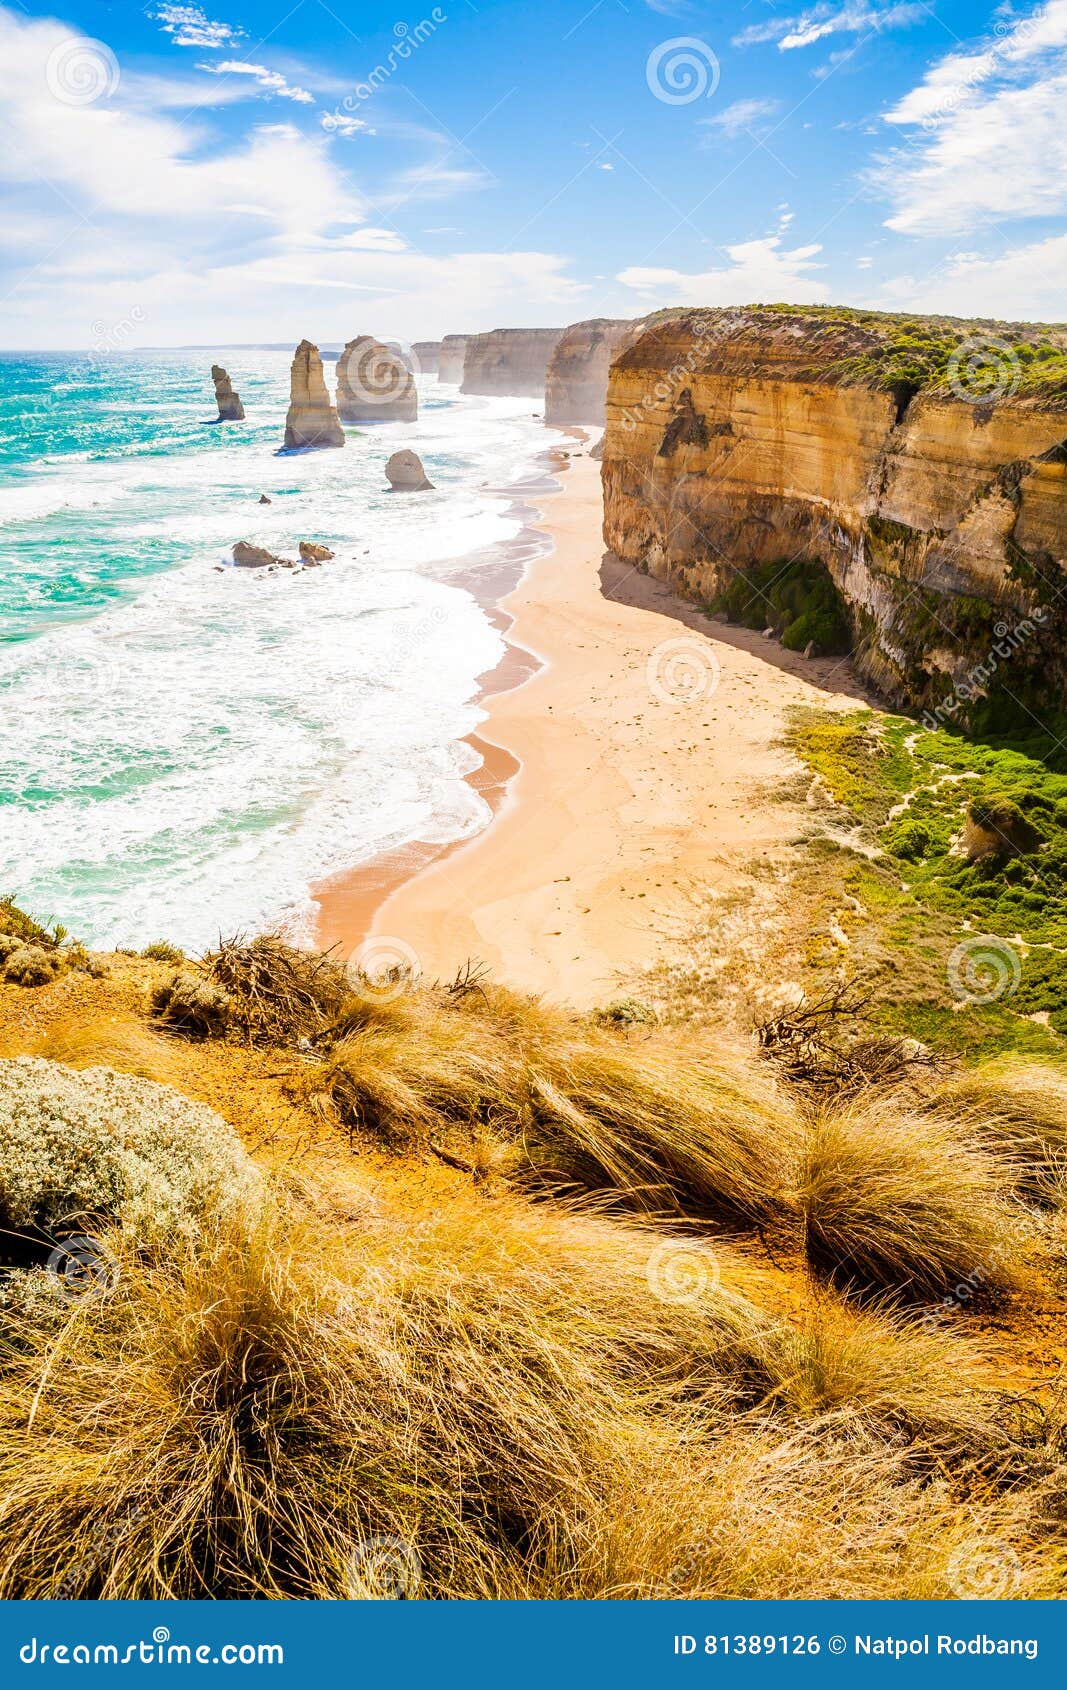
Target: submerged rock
(228, 402)
(247, 556)
(405, 474)
(311, 419)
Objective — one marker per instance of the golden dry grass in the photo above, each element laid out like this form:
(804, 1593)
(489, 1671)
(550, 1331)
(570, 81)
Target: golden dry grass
(909, 1201)
(1019, 1110)
(443, 1383)
(494, 1399)
(647, 1123)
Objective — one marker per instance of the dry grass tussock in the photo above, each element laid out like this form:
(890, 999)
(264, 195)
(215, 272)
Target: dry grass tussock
(488, 1400)
(905, 1187)
(568, 1105)
(910, 1201)
(316, 1386)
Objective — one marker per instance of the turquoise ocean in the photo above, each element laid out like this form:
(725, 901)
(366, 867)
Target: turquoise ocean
(185, 746)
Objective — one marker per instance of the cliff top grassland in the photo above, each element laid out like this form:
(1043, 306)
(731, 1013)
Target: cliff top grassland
(524, 1303)
(901, 353)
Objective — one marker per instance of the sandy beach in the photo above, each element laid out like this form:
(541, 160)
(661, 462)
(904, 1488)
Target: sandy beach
(642, 760)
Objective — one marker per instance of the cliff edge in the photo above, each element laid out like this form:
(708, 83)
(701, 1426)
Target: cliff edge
(576, 382)
(920, 463)
(509, 361)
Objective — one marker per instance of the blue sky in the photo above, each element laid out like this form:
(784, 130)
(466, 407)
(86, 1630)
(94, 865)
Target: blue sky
(261, 171)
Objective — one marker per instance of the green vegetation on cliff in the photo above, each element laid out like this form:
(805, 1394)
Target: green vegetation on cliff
(961, 866)
(797, 599)
(910, 354)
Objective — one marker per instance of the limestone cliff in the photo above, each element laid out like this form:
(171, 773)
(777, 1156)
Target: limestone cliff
(311, 420)
(228, 402)
(427, 356)
(576, 384)
(450, 359)
(374, 383)
(513, 361)
(921, 461)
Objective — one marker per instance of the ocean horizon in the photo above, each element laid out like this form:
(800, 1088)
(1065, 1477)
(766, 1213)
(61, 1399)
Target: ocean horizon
(198, 744)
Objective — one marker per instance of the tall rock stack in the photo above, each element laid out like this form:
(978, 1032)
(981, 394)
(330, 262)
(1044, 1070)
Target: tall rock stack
(576, 386)
(311, 419)
(509, 361)
(450, 360)
(427, 356)
(374, 383)
(228, 402)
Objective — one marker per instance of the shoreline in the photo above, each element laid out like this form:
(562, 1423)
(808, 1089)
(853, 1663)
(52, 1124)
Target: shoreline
(620, 799)
(350, 900)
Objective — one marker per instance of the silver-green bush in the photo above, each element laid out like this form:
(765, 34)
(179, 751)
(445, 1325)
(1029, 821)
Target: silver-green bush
(96, 1145)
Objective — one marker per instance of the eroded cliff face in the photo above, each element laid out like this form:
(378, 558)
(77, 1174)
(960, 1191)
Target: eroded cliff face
(509, 361)
(576, 383)
(935, 496)
(450, 359)
(427, 356)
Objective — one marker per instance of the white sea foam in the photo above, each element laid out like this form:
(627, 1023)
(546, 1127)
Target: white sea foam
(191, 757)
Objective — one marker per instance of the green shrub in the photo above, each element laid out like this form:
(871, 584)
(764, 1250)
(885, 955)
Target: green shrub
(909, 839)
(798, 599)
(31, 965)
(161, 951)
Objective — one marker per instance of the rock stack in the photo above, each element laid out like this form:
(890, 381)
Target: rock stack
(311, 419)
(374, 383)
(576, 383)
(427, 356)
(450, 358)
(405, 474)
(228, 402)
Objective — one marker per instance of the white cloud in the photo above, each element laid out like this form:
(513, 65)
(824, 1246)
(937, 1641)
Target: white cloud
(189, 26)
(1025, 282)
(990, 142)
(826, 19)
(759, 271)
(116, 205)
(340, 123)
(271, 81)
(741, 118)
